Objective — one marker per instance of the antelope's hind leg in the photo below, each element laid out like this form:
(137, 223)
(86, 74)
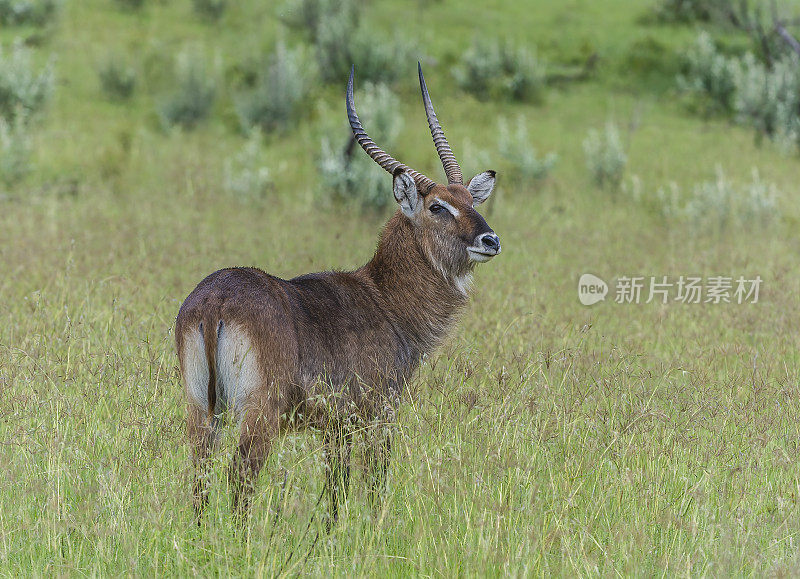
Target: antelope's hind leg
(259, 428)
(254, 398)
(202, 425)
(202, 432)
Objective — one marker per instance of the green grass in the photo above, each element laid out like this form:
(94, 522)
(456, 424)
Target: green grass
(545, 438)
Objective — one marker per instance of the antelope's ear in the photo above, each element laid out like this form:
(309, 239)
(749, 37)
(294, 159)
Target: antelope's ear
(405, 192)
(481, 186)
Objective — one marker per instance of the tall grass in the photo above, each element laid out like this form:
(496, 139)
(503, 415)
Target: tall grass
(554, 443)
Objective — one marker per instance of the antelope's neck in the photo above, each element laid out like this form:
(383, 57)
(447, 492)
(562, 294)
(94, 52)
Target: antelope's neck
(422, 302)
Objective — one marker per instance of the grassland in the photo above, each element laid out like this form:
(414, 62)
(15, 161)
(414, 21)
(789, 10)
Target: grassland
(545, 438)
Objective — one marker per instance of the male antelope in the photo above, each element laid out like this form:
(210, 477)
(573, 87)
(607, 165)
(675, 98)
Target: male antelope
(334, 348)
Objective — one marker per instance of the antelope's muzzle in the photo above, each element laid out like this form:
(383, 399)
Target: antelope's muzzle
(487, 245)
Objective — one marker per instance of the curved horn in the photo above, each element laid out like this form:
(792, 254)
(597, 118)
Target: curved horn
(374, 151)
(451, 168)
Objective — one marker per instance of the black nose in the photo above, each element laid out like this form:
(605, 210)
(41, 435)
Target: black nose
(490, 241)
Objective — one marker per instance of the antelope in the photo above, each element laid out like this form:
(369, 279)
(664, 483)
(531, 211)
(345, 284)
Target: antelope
(333, 349)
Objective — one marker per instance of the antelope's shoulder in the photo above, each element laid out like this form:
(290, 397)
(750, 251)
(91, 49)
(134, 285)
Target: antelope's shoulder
(333, 293)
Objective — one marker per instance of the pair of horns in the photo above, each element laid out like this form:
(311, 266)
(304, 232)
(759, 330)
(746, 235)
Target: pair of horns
(386, 161)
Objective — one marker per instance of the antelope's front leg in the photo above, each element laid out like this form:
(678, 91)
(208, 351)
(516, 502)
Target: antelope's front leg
(379, 453)
(338, 442)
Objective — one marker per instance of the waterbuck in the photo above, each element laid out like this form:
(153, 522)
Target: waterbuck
(333, 349)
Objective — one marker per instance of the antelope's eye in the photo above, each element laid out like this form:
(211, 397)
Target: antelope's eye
(436, 209)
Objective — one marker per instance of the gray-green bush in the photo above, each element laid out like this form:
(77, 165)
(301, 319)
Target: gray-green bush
(15, 150)
(768, 99)
(23, 87)
(210, 9)
(765, 97)
(194, 93)
(131, 5)
(691, 10)
(515, 148)
(117, 78)
(340, 43)
(334, 28)
(307, 15)
(246, 175)
(605, 156)
(720, 203)
(347, 172)
(490, 69)
(281, 89)
(709, 74)
(27, 12)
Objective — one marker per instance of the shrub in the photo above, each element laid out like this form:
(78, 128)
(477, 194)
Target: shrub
(654, 61)
(769, 99)
(710, 74)
(766, 97)
(379, 59)
(22, 89)
(335, 32)
(340, 41)
(15, 150)
(605, 157)
(280, 90)
(347, 172)
(210, 9)
(353, 181)
(117, 79)
(473, 159)
(690, 10)
(131, 5)
(27, 12)
(516, 149)
(758, 204)
(492, 70)
(720, 203)
(194, 94)
(379, 106)
(245, 175)
(307, 15)
(340, 44)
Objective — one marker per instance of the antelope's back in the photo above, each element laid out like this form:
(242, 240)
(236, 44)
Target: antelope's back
(325, 330)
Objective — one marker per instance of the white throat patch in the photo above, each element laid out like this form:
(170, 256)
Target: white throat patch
(463, 282)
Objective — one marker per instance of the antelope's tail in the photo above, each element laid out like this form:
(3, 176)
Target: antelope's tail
(210, 335)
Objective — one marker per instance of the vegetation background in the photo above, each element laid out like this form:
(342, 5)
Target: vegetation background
(146, 143)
